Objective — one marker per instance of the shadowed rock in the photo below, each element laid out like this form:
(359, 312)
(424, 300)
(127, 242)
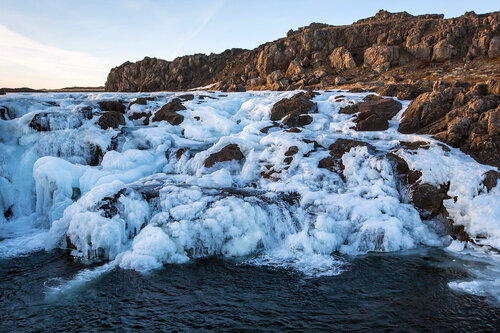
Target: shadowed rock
(169, 113)
(111, 119)
(112, 106)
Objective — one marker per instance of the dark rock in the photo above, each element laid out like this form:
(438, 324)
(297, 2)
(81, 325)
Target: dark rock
(40, 122)
(371, 121)
(187, 97)
(111, 119)
(415, 145)
(461, 117)
(179, 153)
(4, 113)
(406, 176)
(491, 179)
(288, 160)
(228, 153)
(428, 199)
(169, 113)
(112, 106)
(342, 146)
(327, 163)
(299, 104)
(293, 130)
(297, 120)
(374, 113)
(292, 151)
(141, 101)
(86, 112)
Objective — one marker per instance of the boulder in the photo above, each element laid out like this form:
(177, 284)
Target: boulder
(341, 59)
(403, 172)
(111, 119)
(494, 49)
(228, 153)
(381, 58)
(40, 122)
(374, 112)
(443, 51)
(294, 69)
(187, 97)
(426, 109)
(428, 199)
(292, 108)
(112, 106)
(274, 77)
(141, 101)
(490, 180)
(169, 113)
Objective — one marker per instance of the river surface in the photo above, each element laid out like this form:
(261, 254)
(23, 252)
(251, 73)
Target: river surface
(405, 291)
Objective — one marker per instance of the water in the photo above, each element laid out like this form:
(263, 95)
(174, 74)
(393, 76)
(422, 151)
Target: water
(406, 291)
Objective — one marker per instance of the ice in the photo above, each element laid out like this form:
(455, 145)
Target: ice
(140, 196)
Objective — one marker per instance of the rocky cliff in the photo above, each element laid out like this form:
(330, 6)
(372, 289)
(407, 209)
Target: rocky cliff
(394, 46)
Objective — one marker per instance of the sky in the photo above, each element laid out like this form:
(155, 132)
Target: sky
(61, 43)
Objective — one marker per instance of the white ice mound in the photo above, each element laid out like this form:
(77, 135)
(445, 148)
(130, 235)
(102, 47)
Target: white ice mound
(142, 194)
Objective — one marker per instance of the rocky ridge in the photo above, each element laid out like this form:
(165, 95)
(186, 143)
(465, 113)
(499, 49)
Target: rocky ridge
(396, 47)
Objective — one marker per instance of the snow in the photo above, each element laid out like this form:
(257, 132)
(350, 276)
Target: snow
(303, 219)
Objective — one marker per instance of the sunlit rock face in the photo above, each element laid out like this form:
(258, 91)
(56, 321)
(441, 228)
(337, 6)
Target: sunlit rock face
(234, 177)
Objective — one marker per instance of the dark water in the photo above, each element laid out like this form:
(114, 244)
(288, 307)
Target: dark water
(391, 292)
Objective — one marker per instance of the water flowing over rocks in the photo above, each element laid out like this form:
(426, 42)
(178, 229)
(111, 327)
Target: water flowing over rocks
(287, 179)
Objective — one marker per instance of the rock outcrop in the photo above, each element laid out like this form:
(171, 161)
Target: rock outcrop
(315, 55)
(465, 118)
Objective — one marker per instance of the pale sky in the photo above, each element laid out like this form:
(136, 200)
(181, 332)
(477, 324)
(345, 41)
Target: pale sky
(60, 43)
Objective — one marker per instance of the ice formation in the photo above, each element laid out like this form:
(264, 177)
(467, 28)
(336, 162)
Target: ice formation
(141, 197)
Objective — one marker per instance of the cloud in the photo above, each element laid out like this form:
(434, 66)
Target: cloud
(25, 62)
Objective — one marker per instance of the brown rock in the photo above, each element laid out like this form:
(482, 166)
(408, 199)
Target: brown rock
(292, 151)
(169, 113)
(381, 58)
(341, 59)
(111, 119)
(294, 69)
(299, 104)
(228, 153)
(428, 199)
(491, 179)
(141, 101)
(426, 109)
(443, 51)
(374, 113)
(494, 49)
(274, 77)
(187, 97)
